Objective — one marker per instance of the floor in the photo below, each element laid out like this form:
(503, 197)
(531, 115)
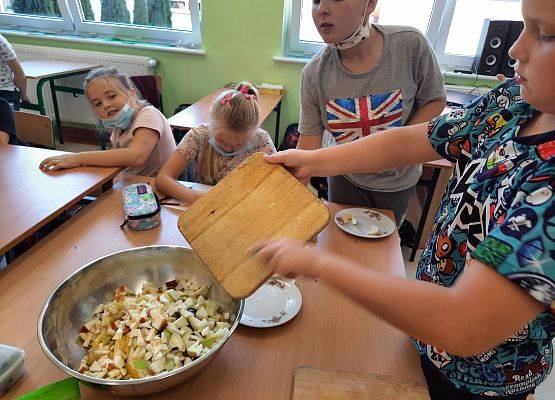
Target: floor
(546, 390)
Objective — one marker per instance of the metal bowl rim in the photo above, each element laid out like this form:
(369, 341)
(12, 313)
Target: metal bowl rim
(113, 382)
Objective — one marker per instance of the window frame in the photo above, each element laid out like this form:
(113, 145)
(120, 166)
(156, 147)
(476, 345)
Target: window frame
(38, 23)
(437, 33)
(294, 46)
(73, 22)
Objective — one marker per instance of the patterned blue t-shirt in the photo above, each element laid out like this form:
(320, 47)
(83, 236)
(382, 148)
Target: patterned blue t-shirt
(499, 209)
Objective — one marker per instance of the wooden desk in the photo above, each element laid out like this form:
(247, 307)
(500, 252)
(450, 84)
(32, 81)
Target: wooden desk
(48, 71)
(199, 113)
(29, 198)
(330, 331)
(435, 186)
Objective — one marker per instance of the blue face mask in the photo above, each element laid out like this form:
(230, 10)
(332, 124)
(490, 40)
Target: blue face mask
(224, 153)
(122, 120)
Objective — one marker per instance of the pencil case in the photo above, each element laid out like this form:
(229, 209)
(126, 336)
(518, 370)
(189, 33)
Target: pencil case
(141, 207)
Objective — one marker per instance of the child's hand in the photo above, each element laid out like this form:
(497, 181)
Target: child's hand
(62, 161)
(288, 257)
(4, 138)
(297, 161)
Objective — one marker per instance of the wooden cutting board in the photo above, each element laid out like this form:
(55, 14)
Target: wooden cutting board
(257, 201)
(325, 384)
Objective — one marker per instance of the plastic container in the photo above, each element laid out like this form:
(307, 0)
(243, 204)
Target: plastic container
(11, 366)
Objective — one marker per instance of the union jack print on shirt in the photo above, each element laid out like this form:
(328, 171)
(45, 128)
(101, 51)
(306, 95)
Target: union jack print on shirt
(351, 119)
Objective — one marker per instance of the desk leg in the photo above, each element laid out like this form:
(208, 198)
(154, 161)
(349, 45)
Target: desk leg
(56, 112)
(425, 209)
(40, 97)
(276, 133)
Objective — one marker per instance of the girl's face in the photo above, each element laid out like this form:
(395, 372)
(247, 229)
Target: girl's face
(107, 96)
(228, 139)
(535, 54)
(336, 20)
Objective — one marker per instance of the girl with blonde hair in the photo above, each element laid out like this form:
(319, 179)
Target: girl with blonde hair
(217, 147)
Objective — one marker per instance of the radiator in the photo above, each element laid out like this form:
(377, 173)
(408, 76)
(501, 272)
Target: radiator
(76, 108)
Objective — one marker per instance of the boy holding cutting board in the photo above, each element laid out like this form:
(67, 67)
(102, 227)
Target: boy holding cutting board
(484, 325)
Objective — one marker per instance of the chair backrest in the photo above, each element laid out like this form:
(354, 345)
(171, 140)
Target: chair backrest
(159, 85)
(150, 88)
(33, 128)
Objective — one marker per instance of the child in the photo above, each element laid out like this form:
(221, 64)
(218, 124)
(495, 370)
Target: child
(13, 83)
(218, 147)
(141, 139)
(369, 78)
(482, 311)
(7, 125)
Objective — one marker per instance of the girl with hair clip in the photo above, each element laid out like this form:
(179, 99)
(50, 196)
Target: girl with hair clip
(216, 148)
(367, 79)
(141, 138)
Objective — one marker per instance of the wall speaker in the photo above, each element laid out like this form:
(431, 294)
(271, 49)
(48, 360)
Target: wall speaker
(507, 66)
(491, 47)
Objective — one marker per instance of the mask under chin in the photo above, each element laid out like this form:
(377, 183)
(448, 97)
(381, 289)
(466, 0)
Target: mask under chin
(245, 148)
(122, 120)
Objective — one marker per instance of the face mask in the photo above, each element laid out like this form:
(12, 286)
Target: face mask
(122, 120)
(360, 33)
(224, 153)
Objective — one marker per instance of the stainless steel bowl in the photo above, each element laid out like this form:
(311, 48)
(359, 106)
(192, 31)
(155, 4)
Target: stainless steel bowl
(74, 301)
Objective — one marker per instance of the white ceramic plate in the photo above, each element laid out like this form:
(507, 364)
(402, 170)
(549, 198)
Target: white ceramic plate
(273, 304)
(369, 223)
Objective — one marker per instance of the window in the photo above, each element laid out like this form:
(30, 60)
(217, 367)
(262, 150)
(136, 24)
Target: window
(452, 26)
(174, 22)
(48, 16)
(462, 34)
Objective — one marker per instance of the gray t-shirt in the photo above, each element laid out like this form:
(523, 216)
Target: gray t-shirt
(351, 106)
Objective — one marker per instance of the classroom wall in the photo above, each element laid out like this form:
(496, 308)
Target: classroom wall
(240, 38)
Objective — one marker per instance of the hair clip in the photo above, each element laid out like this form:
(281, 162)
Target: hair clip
(244, 89)
(226, 99)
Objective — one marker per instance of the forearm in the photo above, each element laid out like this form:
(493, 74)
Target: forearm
(426, 311)
(378, 152)
(427, 112)
(170, 187)
(309, 142)
(125, 157)
(20, 82)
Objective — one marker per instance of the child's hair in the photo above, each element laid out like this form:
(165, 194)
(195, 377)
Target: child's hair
(239, 109)
(124, 82)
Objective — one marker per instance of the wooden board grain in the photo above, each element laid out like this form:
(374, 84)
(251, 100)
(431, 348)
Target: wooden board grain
(255, 202)
(326, 384)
